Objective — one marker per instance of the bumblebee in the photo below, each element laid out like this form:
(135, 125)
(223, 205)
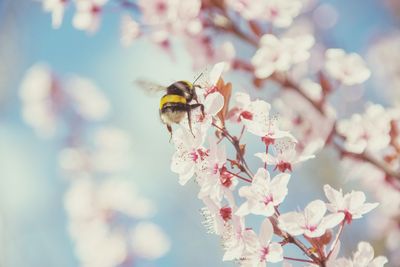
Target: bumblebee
(180, 99)
(176, 103)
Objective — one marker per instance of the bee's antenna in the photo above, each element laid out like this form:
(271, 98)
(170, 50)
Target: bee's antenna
(198, 77)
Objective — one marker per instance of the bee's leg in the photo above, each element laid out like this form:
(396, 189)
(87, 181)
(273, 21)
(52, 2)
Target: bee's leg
(194, 92)
(170, 132)
(198, 105)
(188, 111)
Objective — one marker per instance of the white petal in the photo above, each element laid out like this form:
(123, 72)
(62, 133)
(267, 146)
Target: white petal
(331, 220)
(275, 253)
(367, 207)
(242, 99)
(266, 232)
(279, 187)
(334, 196)
(213, 103)
(378, 262)
(314, 212)
(292, 223)
(216, 72)
(355, 200)
(364, 254)
(243, 209)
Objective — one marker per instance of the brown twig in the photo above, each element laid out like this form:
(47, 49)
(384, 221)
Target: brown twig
(238, 176)
(296, 259)
(235, 142)
(336, 238)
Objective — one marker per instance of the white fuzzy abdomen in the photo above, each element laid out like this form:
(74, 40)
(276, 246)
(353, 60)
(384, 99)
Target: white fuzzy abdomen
(170, 117)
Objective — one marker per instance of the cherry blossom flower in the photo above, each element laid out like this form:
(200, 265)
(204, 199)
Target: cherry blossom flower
(267, 129)
(130, 30)
(255, 115)
(279, 13)
(205, 52)
(349, 69)
(247, 110)
(120, 195)
(237, 239)
(174, 16)
(87, 98)
(56, 8)
(98, 223)
(37, 92)
(110, 153)
(299, 47)
(218, 216)
(311, 222)
(156, 11)
(263, 249)
(190, 156)
(363, 257)
(385, 63)
(112, 150)
(217, 180)
(285, 157)
(351, 204)
(312, 89)
(278, 55)
(149, 241)
(368, 131)
(87, 16)
(264, 194)
(270, 57)
(243, 108)
(248, 9)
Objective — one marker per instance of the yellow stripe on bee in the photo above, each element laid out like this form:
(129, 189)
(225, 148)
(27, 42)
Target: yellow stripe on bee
(189, 84)
(172, 99)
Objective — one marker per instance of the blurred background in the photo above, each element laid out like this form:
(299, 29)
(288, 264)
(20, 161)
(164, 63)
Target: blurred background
(35, 225)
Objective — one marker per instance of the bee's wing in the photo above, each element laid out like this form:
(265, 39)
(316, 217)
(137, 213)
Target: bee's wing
(149, 87)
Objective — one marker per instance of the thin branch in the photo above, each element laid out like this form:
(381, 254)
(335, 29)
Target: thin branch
(128, 4)
(368, 158)
(299, 244)
(236, 144)
(287, 83)
(296, 259)
(240, 177)
(336, 239)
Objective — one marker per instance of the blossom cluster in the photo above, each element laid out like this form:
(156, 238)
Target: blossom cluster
(282, 50)
(108, 218)
(219, 176)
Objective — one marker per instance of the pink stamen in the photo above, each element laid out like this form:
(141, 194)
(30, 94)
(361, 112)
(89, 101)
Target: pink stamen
(268, 199)
(246, 115)
(226, 213)
(283, 166)
(264, 253)
(225, 177)
(268, 140)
